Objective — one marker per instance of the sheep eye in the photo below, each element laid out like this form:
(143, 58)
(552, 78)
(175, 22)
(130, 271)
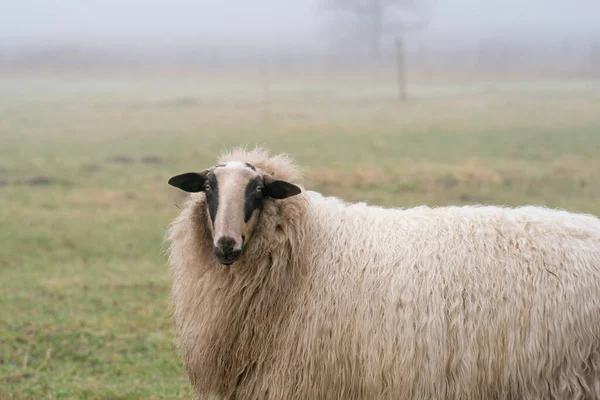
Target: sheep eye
(259, 188)
(207, 187)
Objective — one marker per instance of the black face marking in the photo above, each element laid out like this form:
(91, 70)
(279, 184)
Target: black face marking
(253, 197)
(250, 166)
(212, 196)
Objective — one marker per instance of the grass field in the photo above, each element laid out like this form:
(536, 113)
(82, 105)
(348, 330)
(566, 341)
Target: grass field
(84, 202)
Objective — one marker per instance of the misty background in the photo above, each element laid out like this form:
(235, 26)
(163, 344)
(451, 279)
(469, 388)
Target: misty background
(535, 37)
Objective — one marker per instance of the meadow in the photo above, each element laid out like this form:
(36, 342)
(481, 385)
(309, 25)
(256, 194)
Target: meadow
(84, 203)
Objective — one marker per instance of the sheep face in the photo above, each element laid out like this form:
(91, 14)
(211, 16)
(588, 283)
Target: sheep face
(235, 193)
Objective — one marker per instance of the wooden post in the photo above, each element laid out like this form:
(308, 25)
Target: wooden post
(595, 60)
(265, 80)
(401, 70)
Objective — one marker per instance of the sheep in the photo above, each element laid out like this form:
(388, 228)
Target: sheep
(279, 292)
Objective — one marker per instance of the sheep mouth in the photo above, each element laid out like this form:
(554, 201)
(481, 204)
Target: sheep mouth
(226, 254)
(227, 260)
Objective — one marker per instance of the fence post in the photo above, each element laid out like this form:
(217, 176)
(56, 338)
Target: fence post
(401, 69)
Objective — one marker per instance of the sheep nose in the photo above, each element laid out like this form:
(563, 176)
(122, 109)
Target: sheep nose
(226, 251)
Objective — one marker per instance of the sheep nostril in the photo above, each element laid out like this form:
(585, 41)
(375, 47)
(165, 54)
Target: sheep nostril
(225, 250)
(218, 252)
(226, 243)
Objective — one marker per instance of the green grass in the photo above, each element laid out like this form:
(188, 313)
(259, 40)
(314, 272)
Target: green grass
(83, 281)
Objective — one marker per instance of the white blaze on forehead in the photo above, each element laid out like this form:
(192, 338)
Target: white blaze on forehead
(234, 164)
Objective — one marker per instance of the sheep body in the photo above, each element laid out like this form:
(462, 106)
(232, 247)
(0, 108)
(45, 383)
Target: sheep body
(349, 301)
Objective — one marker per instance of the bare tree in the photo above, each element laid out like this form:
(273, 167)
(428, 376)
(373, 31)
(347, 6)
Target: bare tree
(369, 22)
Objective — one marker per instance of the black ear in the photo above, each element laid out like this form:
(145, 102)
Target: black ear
(190, 182)
(280, 189)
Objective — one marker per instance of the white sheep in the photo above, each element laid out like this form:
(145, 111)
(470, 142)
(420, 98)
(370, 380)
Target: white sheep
(281, 293)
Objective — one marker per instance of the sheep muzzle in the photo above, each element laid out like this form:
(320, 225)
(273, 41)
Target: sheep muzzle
(227, 250)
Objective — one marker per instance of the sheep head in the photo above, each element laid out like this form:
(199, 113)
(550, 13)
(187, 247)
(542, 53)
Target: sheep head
(235, 193)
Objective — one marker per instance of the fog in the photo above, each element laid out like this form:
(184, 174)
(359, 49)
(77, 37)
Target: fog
(289, 26)
(273, 21)
(158, 22)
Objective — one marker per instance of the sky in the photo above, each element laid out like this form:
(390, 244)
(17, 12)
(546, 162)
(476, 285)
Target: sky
(273, 21)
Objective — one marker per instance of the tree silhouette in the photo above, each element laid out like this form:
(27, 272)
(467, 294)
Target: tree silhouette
(368, 22)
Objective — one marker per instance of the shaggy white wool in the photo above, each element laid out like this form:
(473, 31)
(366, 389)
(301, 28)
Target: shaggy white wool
(332, 300)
